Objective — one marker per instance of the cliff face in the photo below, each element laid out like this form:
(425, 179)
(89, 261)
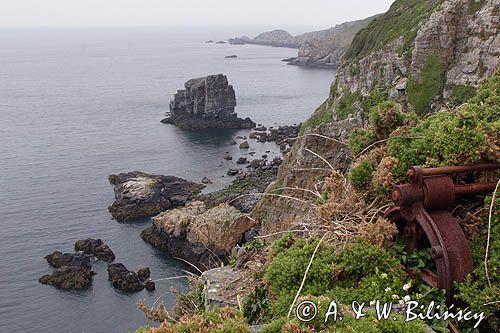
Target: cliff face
(420, 53)
(206, 102)
(325, 48)
(454, 43)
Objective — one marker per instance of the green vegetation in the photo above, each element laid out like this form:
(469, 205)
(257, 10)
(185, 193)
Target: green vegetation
(402, 19)
(321, 116)
(361, 138)
(461, 94)
(256, 305)
(361, 174)
(467, 135)
(476, 291)
(421, 93)
(346, 104)
(385, 117)
(377, 96)
(225, 320)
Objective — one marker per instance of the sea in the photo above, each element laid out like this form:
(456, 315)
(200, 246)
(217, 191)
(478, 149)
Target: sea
(80, 104)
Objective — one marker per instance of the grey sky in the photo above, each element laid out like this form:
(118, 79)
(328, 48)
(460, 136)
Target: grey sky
(26, 13)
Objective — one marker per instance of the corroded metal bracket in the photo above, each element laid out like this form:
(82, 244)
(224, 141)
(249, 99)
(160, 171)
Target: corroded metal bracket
(420, 213)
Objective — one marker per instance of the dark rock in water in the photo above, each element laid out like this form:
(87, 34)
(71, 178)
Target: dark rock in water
(149, 285)
(232, 172)
(233, 142)
(209, 41)
(244, 145)
(206, 180)
(206, 102)
(221, 42)
(123, 279)
(242, 160)
(138, 194)
(264, 156)
(287, 134)
(277, 161)
(58, 259)
(73, 271)
(233, 56)
(260, 128)
(96, 248)
(227, 156)
(144, 274)
(258, 163)
(241, 175)
(69, 277)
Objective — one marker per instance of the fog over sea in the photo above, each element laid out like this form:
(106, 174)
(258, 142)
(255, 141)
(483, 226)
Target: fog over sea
(77, 105)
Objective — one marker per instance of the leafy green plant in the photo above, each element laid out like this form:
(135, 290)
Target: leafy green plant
(346, 104)
(256, 305)
(461, 93)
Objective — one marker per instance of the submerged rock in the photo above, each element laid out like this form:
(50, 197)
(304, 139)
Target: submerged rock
(206, 102)
(138, 194)
(96, 248)
(202, 236)
(244, 145)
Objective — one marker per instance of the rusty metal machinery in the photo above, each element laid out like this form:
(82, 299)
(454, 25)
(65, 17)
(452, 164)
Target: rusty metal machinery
(420, 212)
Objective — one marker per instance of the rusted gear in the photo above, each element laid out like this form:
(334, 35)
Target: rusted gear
(421, 216)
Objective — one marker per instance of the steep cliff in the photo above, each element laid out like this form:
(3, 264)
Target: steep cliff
(424, 54)
(206, 102)
(324, 49)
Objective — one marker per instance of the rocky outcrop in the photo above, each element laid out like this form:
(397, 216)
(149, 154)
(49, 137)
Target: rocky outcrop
(123, 279)
(138, 194)
(72, 271)
(463, 35)
(96, 248)
(277, 38)
(303, 169)
(202, 236)
(321, 49)
(206, 102)
(326, 50)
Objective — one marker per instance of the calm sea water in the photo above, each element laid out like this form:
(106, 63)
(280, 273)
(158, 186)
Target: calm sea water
(77, 105)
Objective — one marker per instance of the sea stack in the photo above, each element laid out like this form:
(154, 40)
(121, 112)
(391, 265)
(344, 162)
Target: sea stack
(206, 102)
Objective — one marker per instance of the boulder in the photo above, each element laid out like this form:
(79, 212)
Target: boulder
(139, 195)
(206, 102)
(96, 248)
(227, 156)
(202, 236)
(143, 274)
(69, 277)
(232, 172)
(123, 279)
(206, 180)
(242, 160)
(244, 145)
(73, 271)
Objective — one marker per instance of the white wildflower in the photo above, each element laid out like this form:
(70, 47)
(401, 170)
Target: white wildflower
(387, 289)
(407, 298)
(407, 286)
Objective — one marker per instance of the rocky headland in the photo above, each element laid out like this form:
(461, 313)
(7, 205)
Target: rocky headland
(138, 194)
(320, 49)
(206, 102)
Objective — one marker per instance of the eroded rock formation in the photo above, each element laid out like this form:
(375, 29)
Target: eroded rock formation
(206, 102)
(138, 194)
(202, 236)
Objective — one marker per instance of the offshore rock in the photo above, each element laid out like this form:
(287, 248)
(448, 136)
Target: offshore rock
(138, 194)
(96, 248)
(73, 271)
(123, 279)
(206, 102)
(202, 236)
